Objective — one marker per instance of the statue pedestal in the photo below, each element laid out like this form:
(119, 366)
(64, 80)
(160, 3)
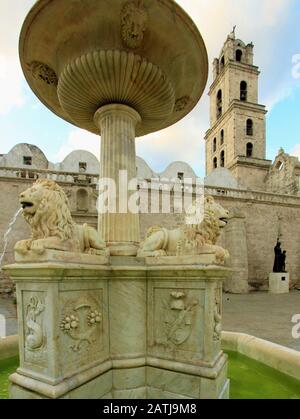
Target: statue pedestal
(123, 330)
(279, 283)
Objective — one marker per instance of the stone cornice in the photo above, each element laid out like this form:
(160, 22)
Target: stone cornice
(236, 104)
(250, 162)
(233, 65)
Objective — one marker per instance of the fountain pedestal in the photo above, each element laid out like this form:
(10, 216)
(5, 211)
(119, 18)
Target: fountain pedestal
(123, 330)
(121, 228)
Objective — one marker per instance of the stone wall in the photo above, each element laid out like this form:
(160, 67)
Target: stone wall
(266, 215)
(284, 174)
(16, 156)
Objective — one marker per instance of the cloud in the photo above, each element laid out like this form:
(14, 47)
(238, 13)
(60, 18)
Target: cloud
(11, 77)
(295, 151)
(158, 149)
(265, 22)
(78, 139)
(12, 17)
(182, 141)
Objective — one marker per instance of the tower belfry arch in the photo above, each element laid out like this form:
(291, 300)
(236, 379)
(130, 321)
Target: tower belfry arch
(237, 119)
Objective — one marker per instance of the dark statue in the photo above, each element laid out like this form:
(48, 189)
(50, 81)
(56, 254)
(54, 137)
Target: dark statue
(280, 258)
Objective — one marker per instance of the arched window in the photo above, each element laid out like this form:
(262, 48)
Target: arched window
(249, 151)
(215, 162)
(249, 127)
(215, 145)
(222, 62)
(243, 91)
(222, 158)
(82, 167)
(82, 200)
(222, 137)
(219, 103)
(238, 55)
(280, 166)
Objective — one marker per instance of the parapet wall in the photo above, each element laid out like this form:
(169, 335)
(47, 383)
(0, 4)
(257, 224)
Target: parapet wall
(266, 216)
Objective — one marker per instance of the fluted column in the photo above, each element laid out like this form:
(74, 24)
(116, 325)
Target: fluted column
(117, 126)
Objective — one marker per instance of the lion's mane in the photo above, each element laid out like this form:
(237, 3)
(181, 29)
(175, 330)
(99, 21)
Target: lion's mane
(208, 231)
(53, 217)
(209, 228)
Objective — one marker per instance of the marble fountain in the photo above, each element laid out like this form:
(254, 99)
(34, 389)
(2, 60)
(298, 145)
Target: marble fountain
(102, 315)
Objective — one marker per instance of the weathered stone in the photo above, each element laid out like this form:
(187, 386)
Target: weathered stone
(279, 283)
(46, 209)
(236, 244)
(196, 237)
(64, 354)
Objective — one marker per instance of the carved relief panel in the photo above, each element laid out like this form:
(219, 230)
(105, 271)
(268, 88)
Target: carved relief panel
(83, 328)
(177, 321)
(34, 335)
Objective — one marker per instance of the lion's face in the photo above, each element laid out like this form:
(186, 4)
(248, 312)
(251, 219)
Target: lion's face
(220, 213)
(209, 210)
(134, 20)
(46, 209)
(31, 199)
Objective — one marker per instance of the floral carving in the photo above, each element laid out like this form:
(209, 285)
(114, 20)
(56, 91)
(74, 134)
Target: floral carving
(34, 333)
(80, 324)
(94, 317)
(43, 72)
(69, 323)
(133, 23)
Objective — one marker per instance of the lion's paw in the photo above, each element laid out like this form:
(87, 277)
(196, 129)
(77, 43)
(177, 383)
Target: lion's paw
(38, 247)
(23, 246)
(158, 253)
(91, 251)
(222, 255)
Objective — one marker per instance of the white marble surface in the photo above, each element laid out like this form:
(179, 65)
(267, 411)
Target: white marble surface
(142, 327)
(279, 283)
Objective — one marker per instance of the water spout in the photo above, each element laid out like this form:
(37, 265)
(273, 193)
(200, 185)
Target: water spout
(7, 233)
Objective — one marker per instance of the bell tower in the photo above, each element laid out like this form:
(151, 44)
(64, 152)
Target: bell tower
(236, 139)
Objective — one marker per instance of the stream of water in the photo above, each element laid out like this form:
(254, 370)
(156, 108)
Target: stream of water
(6, 235)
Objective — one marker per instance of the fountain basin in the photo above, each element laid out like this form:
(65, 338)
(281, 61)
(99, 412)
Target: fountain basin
(145, 54)
(269, 371)
(280, 358)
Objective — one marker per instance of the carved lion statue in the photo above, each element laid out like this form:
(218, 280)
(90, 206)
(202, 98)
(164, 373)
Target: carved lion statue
(189, 239)
(46, 210)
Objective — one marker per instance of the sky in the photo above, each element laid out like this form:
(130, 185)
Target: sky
(273, 27)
